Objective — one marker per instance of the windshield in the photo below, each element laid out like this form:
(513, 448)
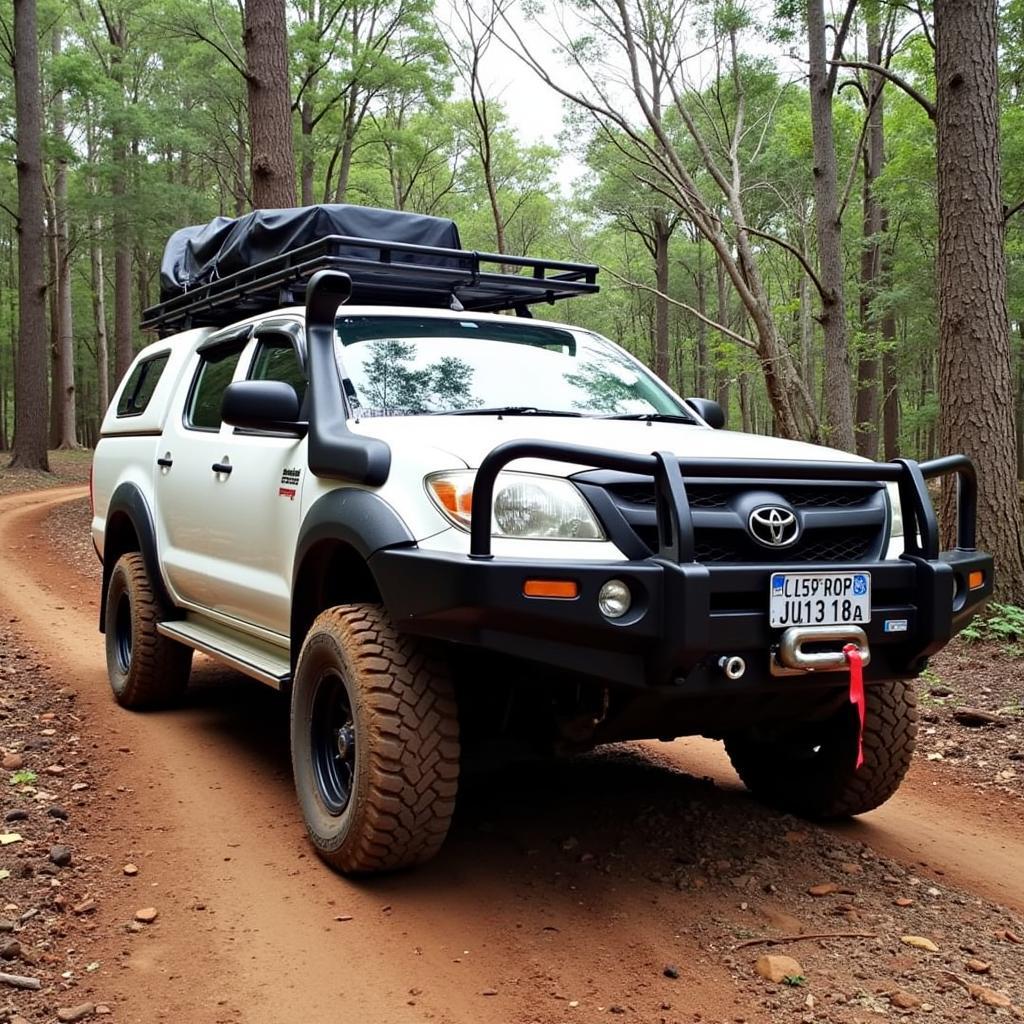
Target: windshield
(407, 365)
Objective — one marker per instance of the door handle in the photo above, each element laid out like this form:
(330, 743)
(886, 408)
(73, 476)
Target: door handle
(222, 467)
(166, 462)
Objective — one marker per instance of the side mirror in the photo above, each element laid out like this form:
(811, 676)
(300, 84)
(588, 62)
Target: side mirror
(709, 411)
(261, 405)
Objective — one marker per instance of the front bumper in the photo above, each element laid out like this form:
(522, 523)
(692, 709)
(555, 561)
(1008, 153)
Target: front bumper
(686, 615)
(683, 617)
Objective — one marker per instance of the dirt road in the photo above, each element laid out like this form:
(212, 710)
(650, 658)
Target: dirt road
(548, 904)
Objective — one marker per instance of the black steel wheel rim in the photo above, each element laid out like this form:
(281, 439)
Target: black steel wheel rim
(123, 633)
(333, 742)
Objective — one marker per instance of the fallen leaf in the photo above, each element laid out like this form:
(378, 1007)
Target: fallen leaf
(919, 942)
(9, 837)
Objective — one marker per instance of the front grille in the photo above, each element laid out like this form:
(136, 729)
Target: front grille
(732, 547)
(840, 522)
(703, 496)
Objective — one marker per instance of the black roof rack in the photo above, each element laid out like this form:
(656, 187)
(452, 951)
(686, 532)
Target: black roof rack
(385, 275)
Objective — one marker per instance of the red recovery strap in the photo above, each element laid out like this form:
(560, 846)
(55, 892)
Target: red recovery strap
(852, 652)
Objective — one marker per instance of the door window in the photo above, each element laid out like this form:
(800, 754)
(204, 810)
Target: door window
(215, 372)
(276, 360)
(140, 386)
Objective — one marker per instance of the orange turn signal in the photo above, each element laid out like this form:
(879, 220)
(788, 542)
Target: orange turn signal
(563, 590)
(976, 580)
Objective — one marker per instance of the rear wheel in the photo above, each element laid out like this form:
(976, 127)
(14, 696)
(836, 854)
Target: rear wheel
(375, 742)
(145, 668)
(813, 772)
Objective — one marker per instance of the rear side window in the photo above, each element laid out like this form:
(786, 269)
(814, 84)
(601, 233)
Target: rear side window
(141, 384)
(212, 378)
(276, 360)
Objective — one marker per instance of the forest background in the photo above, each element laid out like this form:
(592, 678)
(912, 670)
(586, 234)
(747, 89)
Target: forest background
(811, 212)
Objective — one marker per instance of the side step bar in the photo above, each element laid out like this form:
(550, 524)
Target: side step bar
(254, 657)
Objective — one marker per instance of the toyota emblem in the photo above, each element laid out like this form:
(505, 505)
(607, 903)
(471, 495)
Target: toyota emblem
(774, 526)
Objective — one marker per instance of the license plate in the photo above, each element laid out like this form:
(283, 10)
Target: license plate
(819, 599)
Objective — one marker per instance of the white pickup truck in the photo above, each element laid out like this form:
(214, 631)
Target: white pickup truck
(437, 526)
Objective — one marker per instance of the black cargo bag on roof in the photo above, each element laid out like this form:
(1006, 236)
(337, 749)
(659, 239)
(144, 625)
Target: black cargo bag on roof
(207, 252)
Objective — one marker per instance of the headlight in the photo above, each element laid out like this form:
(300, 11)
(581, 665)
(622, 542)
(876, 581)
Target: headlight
(524, 505)
(896, 519)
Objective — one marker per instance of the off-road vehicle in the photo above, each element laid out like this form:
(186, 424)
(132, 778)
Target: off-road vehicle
(346, 470)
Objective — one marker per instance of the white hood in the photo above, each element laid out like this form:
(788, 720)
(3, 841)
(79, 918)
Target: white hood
(470, 438)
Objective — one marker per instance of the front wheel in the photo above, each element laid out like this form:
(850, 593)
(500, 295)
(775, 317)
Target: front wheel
(375, 742)
(812, 771)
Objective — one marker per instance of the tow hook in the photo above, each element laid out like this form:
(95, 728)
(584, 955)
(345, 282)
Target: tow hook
(791, 659)
(732, 666)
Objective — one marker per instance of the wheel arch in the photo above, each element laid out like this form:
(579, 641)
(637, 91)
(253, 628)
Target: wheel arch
(341, 531)
(129, 527)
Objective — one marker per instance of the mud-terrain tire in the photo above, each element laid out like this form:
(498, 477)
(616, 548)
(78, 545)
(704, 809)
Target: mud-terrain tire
(145, 669)
(816, 775)
(375, 742)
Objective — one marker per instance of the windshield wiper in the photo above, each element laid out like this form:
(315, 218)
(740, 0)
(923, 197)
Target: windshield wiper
(506, 410)
(652, 417)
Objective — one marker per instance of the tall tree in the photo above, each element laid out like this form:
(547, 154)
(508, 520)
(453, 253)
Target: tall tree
(705, 180)
(30, 427)
(272, 160)
(838, 403)
(64, 398)
(115, 24)
(871, 251)
(468, 40)
(976, 386)
(648, 215)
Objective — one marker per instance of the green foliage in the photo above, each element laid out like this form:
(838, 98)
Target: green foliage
(1002, 623)
(23, 777)
(379, 119)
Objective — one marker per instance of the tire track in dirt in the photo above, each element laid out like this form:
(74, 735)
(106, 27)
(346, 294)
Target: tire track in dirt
(490, 932)
(969, 839)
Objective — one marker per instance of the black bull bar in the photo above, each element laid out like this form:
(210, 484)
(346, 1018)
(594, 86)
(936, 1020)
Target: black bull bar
(675, 522)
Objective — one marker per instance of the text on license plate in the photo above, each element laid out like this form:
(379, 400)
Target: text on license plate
(819, 598)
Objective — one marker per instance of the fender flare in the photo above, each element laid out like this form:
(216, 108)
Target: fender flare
(359, 518)
(129, 501)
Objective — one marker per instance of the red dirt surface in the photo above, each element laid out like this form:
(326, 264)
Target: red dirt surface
(621, 884)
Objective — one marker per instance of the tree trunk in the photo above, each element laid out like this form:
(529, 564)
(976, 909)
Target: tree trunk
(724, 388)
(123, 350)
(975, 374)
(1019, 373)
(29, 449)
(702, 328)
(838, 404)
(270, 110)
(141, 277)
(345, 169)
(123, 353)
(67, 435)
(56, 370)
(308, 156)
(99, 313)
(871, 253)
(662, 233)
(890, 380)
(746, 413)
(241, 195)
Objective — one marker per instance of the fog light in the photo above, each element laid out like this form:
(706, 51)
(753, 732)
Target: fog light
(614, 599)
